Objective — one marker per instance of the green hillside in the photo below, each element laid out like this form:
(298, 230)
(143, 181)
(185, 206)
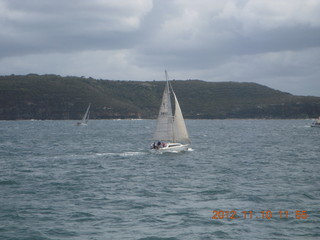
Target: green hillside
(54, 97)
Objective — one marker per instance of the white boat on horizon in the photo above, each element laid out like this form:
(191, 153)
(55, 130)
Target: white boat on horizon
(85, 119)
(316, 123)
(171, 134)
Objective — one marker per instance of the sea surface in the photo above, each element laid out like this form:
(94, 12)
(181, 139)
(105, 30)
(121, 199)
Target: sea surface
(241, 179)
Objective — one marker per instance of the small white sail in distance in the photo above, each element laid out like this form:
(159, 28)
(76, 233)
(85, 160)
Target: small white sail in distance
(85, 118)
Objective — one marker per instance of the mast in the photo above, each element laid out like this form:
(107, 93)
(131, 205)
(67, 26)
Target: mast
(171, 120)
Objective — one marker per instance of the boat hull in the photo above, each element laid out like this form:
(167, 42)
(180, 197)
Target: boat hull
(315, 125)
(172, 147)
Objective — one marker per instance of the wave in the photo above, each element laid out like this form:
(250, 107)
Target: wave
(8, 182)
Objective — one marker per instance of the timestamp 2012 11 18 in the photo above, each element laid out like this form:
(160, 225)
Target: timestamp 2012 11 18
(265, 214)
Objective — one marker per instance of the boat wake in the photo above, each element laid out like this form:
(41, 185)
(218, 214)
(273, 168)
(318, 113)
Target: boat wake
(123, 154)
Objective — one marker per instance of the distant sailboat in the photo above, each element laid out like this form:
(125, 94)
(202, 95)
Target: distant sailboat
(85, 118)
(316, 123)
(171, 134)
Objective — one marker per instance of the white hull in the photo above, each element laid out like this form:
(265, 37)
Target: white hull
(172, 147)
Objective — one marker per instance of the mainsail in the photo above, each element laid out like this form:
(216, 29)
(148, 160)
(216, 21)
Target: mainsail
(164, 130)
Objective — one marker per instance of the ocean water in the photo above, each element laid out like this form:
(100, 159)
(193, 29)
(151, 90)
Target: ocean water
(242, 179)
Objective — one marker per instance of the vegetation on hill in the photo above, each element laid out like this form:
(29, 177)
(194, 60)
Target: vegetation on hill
(35, 96)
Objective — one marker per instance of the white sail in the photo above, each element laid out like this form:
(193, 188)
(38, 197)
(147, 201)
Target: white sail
(85, 118)
(180, 133)
(164, 130)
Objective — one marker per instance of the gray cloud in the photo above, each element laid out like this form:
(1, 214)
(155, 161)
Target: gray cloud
(42, 26)
(275, 43)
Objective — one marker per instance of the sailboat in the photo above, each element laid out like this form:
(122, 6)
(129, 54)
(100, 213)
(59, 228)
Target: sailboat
(316, 123)
(85, 118)
(171, 134)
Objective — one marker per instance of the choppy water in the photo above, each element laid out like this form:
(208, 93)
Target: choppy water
(60, 181)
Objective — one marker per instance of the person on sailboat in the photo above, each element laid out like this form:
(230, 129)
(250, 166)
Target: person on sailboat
(156, 145)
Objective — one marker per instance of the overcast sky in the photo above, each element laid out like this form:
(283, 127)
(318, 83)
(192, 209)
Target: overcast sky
(271, 42)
